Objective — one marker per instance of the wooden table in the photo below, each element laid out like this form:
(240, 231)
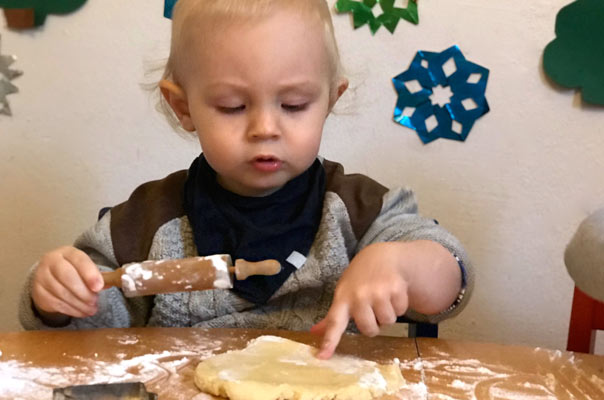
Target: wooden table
(32, 363)
(465, 370)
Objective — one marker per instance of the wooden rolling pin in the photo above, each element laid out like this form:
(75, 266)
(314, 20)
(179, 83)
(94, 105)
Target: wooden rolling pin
(186, 274)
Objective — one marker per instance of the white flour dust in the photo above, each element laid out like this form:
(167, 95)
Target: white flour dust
(22, 380)
(555, 375)
(443, 377)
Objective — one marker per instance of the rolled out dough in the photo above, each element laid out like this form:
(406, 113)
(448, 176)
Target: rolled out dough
(274, 368)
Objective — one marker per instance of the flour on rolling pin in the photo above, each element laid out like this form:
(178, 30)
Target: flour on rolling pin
(185, 274)
(165, 276)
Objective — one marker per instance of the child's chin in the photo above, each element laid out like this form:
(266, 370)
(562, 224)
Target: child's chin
(262, 189)
(265, 191)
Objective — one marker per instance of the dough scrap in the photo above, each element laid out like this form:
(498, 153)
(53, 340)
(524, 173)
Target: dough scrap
(274, 368)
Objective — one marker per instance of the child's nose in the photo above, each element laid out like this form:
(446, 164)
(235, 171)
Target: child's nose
(264, 125)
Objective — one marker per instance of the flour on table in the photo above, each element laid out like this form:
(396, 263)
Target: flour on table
(23, 380)
(271, 368)
(475, 379)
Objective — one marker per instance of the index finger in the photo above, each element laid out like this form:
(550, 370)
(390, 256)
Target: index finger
(86, 268)
(336, 321)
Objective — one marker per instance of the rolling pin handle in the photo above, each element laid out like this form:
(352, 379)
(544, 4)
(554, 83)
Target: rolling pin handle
(243, 268)
(112, 278)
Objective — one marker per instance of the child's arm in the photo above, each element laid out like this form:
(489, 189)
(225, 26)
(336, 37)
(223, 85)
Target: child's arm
(383, 281)
(423, 267)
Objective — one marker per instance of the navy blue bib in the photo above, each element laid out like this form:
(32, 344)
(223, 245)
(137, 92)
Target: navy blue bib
(254, 228)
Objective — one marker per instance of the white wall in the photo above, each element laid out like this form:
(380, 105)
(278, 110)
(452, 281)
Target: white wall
(84, 134)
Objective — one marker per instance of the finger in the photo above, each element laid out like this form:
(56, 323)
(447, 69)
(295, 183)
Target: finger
(46, 301)
(335, 324)
(384, 313)
(319, 328)
(62, 293)
(365, 320)
(400, 303)
(86, 268)
(66, 274)
(67, 297)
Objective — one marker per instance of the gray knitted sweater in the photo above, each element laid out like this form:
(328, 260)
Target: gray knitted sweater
(151, 224)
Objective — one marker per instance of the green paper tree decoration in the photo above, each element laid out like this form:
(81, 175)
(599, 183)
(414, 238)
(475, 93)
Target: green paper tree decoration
(575, 59)
(362, 12)
(43, 7)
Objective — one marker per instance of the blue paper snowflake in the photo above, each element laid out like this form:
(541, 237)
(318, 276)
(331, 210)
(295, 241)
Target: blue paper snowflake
(168, 7)
(439, 72)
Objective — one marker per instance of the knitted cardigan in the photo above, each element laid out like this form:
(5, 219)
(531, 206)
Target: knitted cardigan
(151, 224)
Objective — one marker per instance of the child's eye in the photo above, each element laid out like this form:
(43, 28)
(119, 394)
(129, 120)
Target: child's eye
(294, 107)
(230, 110)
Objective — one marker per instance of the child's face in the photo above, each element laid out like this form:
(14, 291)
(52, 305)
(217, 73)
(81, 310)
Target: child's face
(258, 95)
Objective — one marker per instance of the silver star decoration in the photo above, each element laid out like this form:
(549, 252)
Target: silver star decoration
(6, 75)
(6, 88)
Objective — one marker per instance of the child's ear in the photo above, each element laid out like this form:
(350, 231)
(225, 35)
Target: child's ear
(336, 94)
(177, 98)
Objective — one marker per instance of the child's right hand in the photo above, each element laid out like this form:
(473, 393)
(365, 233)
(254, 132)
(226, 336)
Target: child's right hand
(66, 282)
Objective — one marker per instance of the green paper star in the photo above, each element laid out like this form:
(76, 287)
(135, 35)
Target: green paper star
(362, 13)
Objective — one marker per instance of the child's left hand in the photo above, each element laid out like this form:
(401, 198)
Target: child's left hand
(382, 281)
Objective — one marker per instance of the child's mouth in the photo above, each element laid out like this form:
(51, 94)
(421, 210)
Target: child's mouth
(267, 163)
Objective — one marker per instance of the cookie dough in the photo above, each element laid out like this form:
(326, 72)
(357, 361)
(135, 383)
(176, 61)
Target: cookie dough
(274, 368)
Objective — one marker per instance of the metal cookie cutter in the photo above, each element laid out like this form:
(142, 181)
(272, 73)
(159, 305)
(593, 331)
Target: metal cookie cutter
(105, 391)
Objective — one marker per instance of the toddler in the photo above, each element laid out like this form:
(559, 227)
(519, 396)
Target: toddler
(255, 80)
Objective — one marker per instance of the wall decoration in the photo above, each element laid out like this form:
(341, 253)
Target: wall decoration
(362, 13)
(23, 14)
(168, 6)
(429, 73)
(20, 18)
(6, 88)
(575, 58)
(6, 76)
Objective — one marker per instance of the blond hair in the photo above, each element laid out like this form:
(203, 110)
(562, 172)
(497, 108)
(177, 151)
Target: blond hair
(188, 12)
